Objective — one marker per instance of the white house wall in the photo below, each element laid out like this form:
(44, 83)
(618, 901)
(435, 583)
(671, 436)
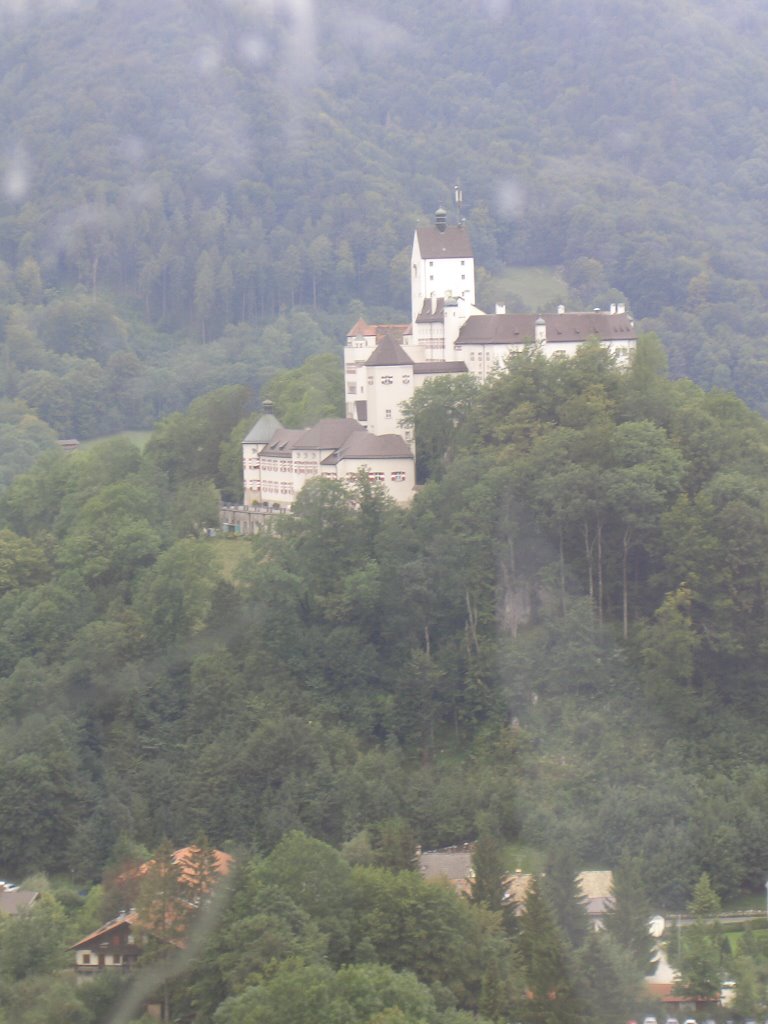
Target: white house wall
(388, 388)
(398, 476)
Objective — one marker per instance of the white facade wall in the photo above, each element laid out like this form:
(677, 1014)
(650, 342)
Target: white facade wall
(484, 360)
(251, 474)
(456, 315)
(439, 278)
(397, 475)
(623, 350)
(388, 388)
(430, 337)
(278, 485)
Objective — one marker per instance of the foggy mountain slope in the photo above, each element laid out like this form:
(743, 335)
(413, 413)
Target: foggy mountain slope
(216, 164)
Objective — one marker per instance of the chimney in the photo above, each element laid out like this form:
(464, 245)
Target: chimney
(540, 331)
(267, 407)
(561, 308)
(441, 219)
(501, 308)
(621, 308)
(613, 307)
(433, 304)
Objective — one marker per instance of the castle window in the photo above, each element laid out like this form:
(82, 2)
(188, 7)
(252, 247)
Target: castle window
(376, 475)
(387, 380)
(462, 263)
(388, 414)
(370, 380)
(398, 475)
(406, 379)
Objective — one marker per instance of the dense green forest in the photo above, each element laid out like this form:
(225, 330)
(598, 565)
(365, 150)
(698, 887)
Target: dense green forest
(559, 646)
(558, 649)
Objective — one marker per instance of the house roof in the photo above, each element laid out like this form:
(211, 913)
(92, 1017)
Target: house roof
(452, 243)
(264, 427)
(516, 328)
(596, 884)
(377, 330)
(426, 316)
(282, 441)
(330, 433)
(127, 917)
(389, 352)
(370, 446)
(361, 327)
(184, 858)
(440, 366)
(516, 886)
(455, 864)
(13, 901)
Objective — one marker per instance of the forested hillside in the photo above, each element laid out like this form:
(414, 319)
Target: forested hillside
(195, 193)
(557, 649)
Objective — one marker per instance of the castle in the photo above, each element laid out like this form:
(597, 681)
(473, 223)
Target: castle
(384, 364)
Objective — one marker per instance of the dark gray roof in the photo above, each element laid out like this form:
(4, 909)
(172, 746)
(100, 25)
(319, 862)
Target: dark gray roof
(361, 408)
(263, 429)
(15, 901)
(453, 243)
(370, 446)
(440, 366)
(515, 328)
(389, 352)
(426, 316)
(328, 433)
(282, 441)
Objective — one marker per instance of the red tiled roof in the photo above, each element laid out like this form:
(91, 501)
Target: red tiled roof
(127, 917)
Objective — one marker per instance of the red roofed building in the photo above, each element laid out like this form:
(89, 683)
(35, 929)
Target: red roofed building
(118, 944)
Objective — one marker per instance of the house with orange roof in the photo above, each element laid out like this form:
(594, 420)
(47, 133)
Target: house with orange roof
(118, 944)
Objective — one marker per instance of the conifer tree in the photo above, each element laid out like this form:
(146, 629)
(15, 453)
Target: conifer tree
(608, 980)
(629, 915)
(561, 884)
(488, 868)
(199, 871)
(701, 963)
(162, 910)
(552, 998)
